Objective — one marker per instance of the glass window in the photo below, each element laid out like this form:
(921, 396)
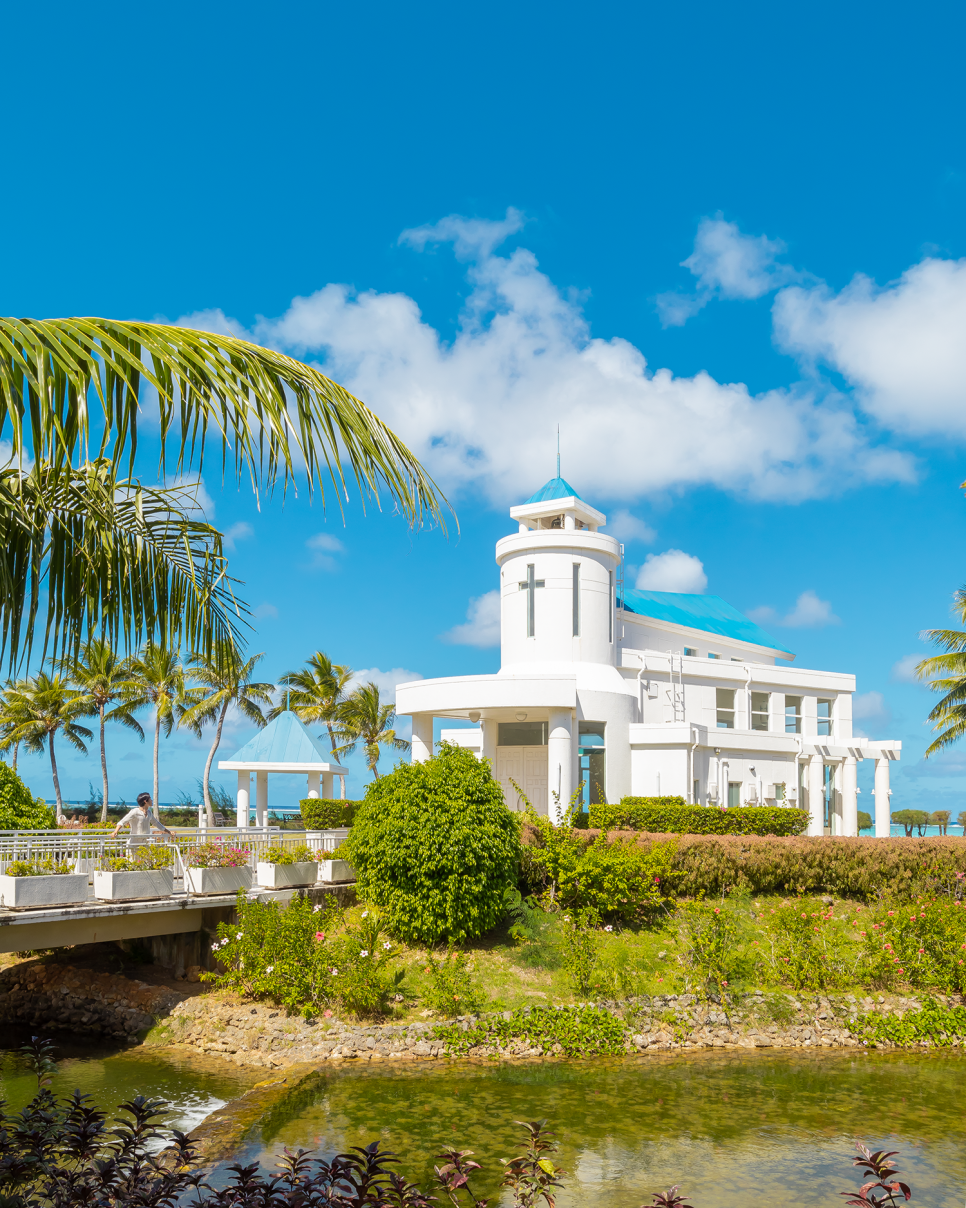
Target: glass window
(759, 710)
(793, 715)
(725, 701)
(522, 734)
(734, 793)
(825, 717)
(712, 655)
(576, 599)
(780, 791)
(697, 792)
(691, 652)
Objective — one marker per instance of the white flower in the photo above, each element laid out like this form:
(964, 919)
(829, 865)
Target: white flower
(316, 909)
(270, 968)
(365, 914)
(364, 952)
(334, 972)
(387, 946)
(608, 928)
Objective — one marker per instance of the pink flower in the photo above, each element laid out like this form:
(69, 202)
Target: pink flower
(320, 935)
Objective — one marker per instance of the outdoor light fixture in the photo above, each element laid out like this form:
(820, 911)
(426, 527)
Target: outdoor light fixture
(521, 717)
(474, 717)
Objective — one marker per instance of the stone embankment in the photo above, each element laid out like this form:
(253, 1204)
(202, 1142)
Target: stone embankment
(55, 996)
(260, 1035)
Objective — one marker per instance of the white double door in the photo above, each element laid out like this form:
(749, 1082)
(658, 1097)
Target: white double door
(528, 767)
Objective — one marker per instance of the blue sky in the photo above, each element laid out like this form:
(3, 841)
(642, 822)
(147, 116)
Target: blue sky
(719, 245)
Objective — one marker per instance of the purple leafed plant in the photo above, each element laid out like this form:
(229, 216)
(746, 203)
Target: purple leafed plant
(881, 1168)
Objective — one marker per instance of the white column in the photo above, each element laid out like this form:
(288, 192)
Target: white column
(816, 798)
(724, 774)
(850, 801)
(883, 818)
(342, 788)
(560, 762)
(327, 785)
(422, 737)
(313, 784)
(243, 800)
(261, 798)
(490, 730)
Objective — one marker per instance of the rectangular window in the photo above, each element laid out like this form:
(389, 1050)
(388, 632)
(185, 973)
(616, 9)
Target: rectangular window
(697, 792)
(725, 701)
(522, 734)
(825, 717)
(712, 655)
(734, 793)
(793, 715)
(690, 652)
(610, 607)
(759, 710)
(576, 599)
(780, 792)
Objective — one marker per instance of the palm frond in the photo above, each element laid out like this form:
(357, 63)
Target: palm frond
(269, 413)
(99, 555)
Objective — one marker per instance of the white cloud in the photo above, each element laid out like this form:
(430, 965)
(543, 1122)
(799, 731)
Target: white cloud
(523, 357)
(871, 706)
(900, 346)
(385, 681)
(237, 532)
(323, 545)
(472, 238)
(261, 611)
(809, 613)
(674, 570)
(482, 624)
(727, 264)
(904, 671)
(625, 526)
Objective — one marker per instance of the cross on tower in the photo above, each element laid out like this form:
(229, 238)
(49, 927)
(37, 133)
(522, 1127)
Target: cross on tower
(529, 586)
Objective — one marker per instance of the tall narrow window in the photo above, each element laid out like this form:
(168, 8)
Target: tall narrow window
(725, 702)
(576, 599)
(610, 607)
(529, 585)
(825, 717)
(793, 715)
(734, 794)
(759, 710)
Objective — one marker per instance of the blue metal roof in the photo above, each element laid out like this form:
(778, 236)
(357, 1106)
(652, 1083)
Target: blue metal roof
(708, 613)
(284, 740)
(556, 488)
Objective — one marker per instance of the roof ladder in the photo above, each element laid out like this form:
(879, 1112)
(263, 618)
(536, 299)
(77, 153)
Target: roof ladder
(677, 684)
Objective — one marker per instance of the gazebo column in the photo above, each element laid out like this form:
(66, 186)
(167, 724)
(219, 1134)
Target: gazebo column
(261, 798)
(422, 737)
(243, 801)
(313, 779)
(327, 781)
(816, 795)
(850, 803)
(883, 813)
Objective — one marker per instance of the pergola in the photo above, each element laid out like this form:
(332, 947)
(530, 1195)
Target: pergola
(284, 745)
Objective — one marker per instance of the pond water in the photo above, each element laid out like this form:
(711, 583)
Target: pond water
(193, 1085)
(729, 1128)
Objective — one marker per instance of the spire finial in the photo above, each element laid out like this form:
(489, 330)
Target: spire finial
(558, 450)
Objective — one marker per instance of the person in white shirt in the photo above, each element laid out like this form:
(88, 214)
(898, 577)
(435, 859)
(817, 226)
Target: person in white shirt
(141, 823)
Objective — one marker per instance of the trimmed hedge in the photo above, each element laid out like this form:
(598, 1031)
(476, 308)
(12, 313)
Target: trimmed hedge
(324, 813)
(863, 868)
(670, 816)
(19, 809)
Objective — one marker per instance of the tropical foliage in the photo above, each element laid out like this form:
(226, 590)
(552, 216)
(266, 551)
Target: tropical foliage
(365, 720)
(19, 809)
(43, 707)
(946, 673)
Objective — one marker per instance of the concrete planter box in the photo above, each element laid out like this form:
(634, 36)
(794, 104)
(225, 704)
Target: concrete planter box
(126, 886)
(217, 880)
(285, 876)
(336, 870)
(51, 889)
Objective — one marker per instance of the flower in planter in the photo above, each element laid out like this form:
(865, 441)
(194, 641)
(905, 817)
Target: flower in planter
(217, 855)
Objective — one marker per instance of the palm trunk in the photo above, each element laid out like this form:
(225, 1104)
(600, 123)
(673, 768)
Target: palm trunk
(16, 752)
(103, 770)
(209, 812)
(53, 769)
(157, 743)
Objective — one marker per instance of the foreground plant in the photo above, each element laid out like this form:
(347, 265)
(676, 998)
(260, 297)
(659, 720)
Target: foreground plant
(533, 1177)
(881, 1169)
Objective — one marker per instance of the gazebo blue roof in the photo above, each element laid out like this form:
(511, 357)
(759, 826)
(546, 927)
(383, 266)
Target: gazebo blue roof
(708, 613)
(556, 488)
(284, 740)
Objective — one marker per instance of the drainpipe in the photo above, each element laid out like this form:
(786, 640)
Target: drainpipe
(748, 674)
(640, 686)
(694, 743)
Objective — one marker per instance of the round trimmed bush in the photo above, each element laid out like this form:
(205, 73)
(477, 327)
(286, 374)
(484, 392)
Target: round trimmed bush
(435, 846)
(19, 809)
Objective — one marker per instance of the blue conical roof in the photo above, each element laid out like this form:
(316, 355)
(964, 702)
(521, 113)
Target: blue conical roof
(556, 488)
(284, 740)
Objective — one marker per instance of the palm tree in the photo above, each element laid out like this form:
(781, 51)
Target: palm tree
(947, 674)
(42, 706)
(316, 694)
(364, 718)
(8, 717)
(104, 679)
(109, 551)
(157, 682)
(223, 679)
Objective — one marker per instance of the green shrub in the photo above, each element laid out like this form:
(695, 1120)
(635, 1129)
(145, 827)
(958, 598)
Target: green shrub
(19, 809)
(436, 847)
(713, 950)
(38, 868)
(292, 853)
(934, 1023)
(216, 855)
(807, 953)
(573, 1031)
(149, 857)
(362, 980)
(922, 944)
(580, 945)
(864, 820)
(612, 877)
(453, 990)
(327, 813)
(670, 816)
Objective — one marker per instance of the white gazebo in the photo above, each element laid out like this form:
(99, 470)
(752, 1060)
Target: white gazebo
(284, 745)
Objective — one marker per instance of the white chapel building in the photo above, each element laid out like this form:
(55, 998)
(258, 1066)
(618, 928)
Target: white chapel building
(643, 693)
